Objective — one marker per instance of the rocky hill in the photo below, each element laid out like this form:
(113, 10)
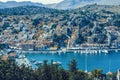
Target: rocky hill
(65, 4)
(72, 4)
(11, 4)
(92, 25)
(28, 10)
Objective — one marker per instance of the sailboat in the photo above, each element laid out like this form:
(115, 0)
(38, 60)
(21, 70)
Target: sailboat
(118, 74)
(109, 72)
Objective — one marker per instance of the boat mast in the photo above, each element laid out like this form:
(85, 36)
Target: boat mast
(118, 74)
(109, 65)
(86, 62)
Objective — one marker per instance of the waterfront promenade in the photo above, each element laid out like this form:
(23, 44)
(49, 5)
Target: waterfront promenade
(81, 51)
(85, 51)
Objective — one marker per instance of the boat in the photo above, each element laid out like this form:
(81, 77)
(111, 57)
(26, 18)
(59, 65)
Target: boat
(109, 72)
(58, 63)
(22, 56)
(118, 74)
(38, 62)
(33, 60)
(75, 52)
(116, 50)
(86, 63)
(59, 52)
(105, 51)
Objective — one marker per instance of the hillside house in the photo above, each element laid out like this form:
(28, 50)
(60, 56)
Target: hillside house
(28, 47)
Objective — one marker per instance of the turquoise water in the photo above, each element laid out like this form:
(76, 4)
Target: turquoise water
(102, 61)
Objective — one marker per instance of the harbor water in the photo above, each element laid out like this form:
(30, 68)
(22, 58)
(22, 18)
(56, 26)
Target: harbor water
(106, 62)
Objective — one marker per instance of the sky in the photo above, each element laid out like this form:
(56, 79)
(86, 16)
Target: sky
(57, 1)
(40, 1)
(110, 2)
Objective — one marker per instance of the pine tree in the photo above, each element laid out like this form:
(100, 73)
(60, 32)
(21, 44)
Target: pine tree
(46, 74)
(73, 66)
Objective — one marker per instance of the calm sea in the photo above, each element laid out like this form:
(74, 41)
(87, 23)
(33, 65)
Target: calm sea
(106, 62)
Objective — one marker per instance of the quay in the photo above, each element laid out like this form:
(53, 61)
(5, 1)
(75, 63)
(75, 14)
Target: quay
(22, 60)
(81, 51)
(85, 51)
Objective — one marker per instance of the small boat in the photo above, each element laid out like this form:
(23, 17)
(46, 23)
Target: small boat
(116, 50)
(33, 60)
(105, 51)
(38, 62)
(59, 63)
(75, 52)
(21, 56)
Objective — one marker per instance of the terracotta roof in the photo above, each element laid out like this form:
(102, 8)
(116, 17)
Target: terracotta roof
(12, 54)
(4, 57)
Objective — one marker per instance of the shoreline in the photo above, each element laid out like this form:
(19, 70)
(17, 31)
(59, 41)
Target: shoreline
(83, 51)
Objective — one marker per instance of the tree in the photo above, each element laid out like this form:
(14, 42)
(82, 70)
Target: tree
(81, 76)
(5, 25)
(80, 39)
(73, 66)
(73, 69)
(63, 74)
(36, 21)
(46, 74)
(39, 73)
(97, 73)
(117, 22)
(54, 69)
(10, 71)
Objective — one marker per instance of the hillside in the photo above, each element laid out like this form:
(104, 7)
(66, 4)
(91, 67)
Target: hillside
(72, 4)
(27, 10)
(65, 4)
(92, 25)
(11, 4)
